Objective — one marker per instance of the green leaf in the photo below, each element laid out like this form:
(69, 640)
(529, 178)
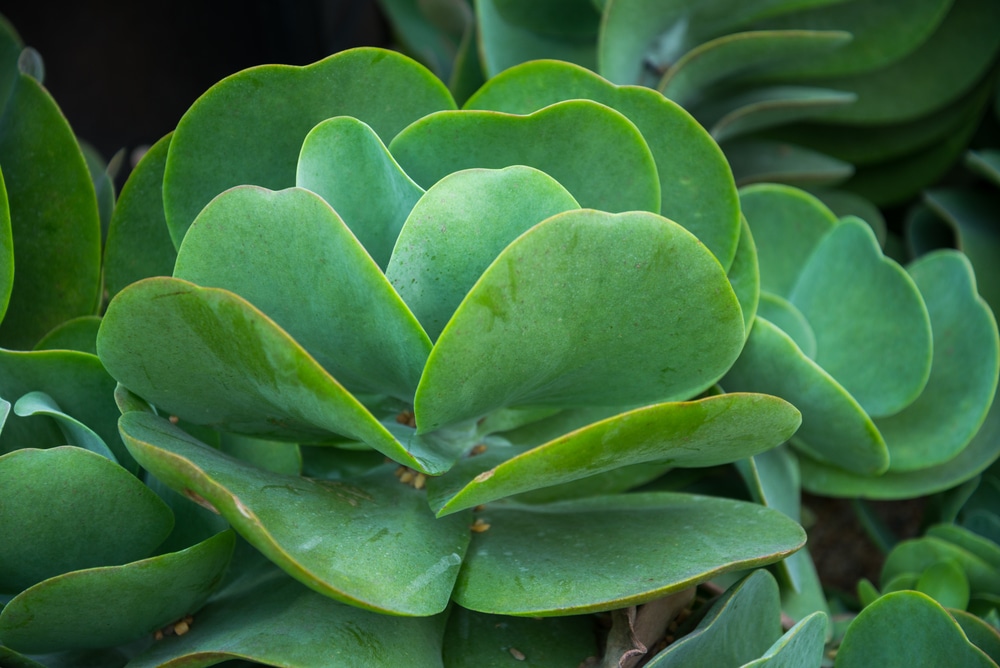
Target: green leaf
(946, 583)
(744, 276)
(139, 244)
(344, 162)
(11, 46)
(986, 163)
(276, 456)
(951, 409)
(568, 18)
(744, 53)
(761, 160)
(75, 432)
(76, 382)
(53, 215)
(652, 319)
(382, 526)
(941, 68)
(787, 225)
(213, 150)
(979, 633)
(78, 334)
(834, 426)
(505, 44)
(801, 646)
(171, 342)
(6, 250)
(493, 641)
(783, 314)
(69, 509)
(345, 313)
(696, 185)
(709, 432)
(270, 619)
(905, 629)
(843, 203)
(739, 627)
(918, 554)
(603, 553)
(982, 547)
(459, 227)
(101, 607)
(736, 114)
(611, 168)
(861, 304)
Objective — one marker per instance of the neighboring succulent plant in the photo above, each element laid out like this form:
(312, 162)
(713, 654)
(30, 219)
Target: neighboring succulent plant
(800, 92)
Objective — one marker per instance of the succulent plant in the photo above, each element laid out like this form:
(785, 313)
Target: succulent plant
(804, 92)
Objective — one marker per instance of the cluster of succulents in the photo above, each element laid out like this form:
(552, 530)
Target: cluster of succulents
(352, 374)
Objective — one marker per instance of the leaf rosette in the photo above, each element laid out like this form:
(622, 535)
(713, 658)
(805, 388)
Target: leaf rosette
(524, 304)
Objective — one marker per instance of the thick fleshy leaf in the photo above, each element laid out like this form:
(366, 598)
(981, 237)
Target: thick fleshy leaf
(75, 432)
(801, 647)
(570, 18)
(588, 308)
(53, 215)
(905, 629)
(950, 410)
(979, 632)
(783, 315)
(459, 227)
(924, 80)
(611, 168)
(11, 46)
(631, 31)
(946, 583)
(985, 163)
(267, 246)
(344, 162)
(78, 334)
(834, 427)
(918, 554)
(76, 382)
(882, 33)
(744, 53)
(974, 459)
(212, 150)
(861, 304)
(739, 114)
(744, 275)
(787, 225)
(6, 250)
(428, 31)
(102, 607)
(488, 641)
(739, 627)
(171, 342)
(382, 525)
(271, 619)
(139, 244)
(276, 456)
(71, 509)
(709, 432)
(843, 203)
(706, 205)
(505, 44)
(982, 547)
(762, 160)
(638, 547)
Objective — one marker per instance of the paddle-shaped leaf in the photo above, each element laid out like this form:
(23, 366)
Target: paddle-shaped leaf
(638, 546)
(69, 509)
(171, 342)
(588, 308)
(76, 433)
(344, 162)
(213, 150)
(6, 250)
(612, 168)
(344, 530)
(708, 432)
(268, 247)
(706, 205)
(113, 605)
(459, 227)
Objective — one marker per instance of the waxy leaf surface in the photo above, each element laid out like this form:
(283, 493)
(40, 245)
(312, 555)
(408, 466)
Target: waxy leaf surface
(344, 162)
(213, 150)
(75, 432)
(343, 531)
(604, 553)
(594, 151)
(744, 276)
(171, 342)
(588, 308)
(801, 647)
(459, 227)
(709, 432)
(268, 246)
(65, 509)
(113, 605)
(78, 334)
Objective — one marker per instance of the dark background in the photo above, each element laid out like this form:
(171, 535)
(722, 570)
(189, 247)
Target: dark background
(124, 71)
